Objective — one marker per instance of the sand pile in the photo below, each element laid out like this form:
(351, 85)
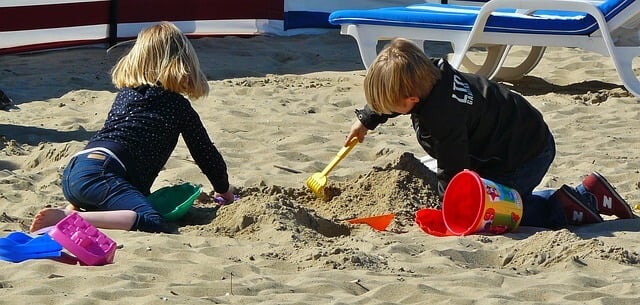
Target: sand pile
(316, 227)
(402, 187)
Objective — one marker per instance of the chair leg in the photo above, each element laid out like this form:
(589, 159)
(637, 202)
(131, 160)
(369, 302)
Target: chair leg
(513, 73)
(367, 43)
(490, 63)
(623, 60)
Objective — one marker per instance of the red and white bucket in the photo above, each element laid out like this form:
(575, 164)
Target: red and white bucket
(472, 204)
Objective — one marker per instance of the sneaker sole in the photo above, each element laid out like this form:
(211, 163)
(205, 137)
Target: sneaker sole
(615, 194)
(572, 195)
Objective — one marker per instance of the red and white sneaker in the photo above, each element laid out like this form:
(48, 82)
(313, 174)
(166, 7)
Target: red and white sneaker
(575, 210)
(608, 200)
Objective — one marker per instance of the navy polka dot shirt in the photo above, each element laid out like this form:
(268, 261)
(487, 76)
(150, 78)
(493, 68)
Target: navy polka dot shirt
(142, 129)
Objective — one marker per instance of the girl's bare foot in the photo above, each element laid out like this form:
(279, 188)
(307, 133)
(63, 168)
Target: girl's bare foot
(48, 217)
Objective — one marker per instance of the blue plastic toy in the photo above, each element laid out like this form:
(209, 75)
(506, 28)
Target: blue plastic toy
(18, 246)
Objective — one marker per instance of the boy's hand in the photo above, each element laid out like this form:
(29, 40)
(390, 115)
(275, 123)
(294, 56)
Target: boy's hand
(357, 131)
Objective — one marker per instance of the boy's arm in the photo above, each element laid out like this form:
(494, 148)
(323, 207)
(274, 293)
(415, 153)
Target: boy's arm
(453, 153)
(370, 118)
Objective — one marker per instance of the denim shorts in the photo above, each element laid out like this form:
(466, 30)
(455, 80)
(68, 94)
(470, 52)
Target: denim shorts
(540, 209)
(95, 180)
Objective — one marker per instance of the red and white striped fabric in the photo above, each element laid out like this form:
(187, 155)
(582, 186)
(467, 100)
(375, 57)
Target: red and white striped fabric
(202, 17)
(39, 24)
(27, 25)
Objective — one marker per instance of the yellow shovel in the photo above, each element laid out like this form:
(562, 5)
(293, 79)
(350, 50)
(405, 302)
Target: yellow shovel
(318, 181)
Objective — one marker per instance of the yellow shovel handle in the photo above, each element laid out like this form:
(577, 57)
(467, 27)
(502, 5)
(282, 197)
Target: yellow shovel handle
(341, 154)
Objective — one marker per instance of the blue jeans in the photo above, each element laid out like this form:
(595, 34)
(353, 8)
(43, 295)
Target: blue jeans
(95, 181)
(540, 209)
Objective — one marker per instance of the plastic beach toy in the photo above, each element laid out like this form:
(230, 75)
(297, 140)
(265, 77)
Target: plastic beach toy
(83, 240)
(173, 202)
(471, 205)
(318, 181)
(19, 246)
(379, 223)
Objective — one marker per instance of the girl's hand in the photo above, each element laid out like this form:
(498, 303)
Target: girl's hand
(228, 197)
(357, 131)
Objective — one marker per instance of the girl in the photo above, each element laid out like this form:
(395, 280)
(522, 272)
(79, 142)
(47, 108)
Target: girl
(109, 180)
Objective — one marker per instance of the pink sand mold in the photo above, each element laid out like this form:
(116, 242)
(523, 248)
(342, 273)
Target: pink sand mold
(83, 240)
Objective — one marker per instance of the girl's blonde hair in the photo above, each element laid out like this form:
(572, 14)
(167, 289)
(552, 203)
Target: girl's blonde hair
(401, 70)
(162, 56)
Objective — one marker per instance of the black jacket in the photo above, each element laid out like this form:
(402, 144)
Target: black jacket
(470, 122)
(142, 129)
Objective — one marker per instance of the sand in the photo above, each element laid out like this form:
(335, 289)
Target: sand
(279, 110)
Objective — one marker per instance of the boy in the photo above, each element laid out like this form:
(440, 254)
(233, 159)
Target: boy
(466, 121)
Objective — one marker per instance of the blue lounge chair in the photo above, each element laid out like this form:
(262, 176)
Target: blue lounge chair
(610, 28)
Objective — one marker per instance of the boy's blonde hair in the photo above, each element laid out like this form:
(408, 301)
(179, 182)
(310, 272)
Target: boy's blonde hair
(401, 70)
(162, 56)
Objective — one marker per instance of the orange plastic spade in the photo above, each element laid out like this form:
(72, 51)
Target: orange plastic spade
(379, 223)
